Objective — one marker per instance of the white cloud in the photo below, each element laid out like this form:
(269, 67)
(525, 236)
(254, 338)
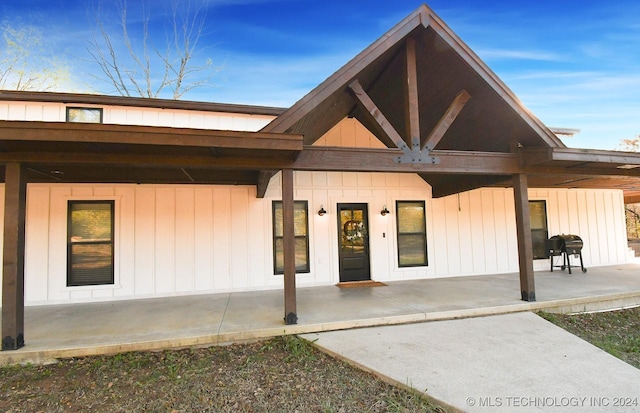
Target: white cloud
(506, 54)
(272, 81)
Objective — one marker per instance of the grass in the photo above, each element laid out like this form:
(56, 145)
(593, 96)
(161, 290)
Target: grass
(284, 374)
(616, 332)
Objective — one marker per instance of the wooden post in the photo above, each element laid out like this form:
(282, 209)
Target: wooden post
(412, 113)
(15, 200)
(525, 245)
(290, 312)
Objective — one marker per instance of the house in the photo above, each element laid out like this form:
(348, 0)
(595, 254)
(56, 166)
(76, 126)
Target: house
(412, 161)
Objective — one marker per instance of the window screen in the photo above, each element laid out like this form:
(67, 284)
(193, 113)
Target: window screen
(84, 115)
(412, 233)
(301, 230)
(90, 243)
(539, 232)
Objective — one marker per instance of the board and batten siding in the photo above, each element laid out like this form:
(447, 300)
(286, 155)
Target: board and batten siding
(471, 233)
(475, 232)
(130, 115)
(193, 239)
(169, 240)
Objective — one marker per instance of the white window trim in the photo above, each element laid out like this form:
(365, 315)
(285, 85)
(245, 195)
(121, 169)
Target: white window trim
(116, 245)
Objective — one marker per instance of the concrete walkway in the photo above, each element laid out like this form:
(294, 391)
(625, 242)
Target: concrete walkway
(507, 363)
(57, 331)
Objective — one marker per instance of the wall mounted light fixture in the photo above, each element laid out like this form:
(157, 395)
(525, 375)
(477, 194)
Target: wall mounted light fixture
(384, 211)
(321, 211)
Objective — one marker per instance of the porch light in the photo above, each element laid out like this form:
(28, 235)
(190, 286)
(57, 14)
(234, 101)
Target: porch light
(321, 211)
(384, 211)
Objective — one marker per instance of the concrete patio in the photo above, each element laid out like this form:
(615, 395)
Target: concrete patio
(57, 331)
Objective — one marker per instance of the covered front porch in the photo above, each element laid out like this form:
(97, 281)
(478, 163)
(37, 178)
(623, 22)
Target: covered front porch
(58, 331)
(435, 110)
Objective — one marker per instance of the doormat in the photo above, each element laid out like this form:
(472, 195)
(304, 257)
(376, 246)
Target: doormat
(359, 284)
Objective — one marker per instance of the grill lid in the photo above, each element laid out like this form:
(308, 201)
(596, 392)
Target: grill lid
(569, 243)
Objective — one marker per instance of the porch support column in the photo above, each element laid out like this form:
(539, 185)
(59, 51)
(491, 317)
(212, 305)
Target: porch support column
(525, 245)
(289, 247)
(15, 200)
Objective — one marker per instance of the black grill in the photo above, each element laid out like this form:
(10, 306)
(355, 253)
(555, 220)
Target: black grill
(565, 245)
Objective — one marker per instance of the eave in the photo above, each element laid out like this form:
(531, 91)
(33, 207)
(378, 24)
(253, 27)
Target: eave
(103, 153)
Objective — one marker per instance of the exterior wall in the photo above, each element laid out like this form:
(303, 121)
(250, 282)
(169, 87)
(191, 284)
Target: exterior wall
(127, 115)
(475, 232)
(189, 239)
(349, 133)
(376, 190)
(597, 216)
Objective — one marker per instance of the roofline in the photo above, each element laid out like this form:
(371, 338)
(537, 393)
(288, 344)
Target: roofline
(449, 36)
(419, 17)
(92, 99)
(423, 16)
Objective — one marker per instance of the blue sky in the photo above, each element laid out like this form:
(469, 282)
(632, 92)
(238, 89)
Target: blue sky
(574, 64)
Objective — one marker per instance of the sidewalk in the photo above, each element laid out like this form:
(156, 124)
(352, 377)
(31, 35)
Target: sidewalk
(98, 328)
(507, 363)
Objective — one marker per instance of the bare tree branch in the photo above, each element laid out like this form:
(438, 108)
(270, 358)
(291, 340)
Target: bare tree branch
(25, 64)
(630, 145)
(134, 65)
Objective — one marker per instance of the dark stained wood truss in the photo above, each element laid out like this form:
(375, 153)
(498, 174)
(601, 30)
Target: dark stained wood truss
(370, 108)
(417, 152)
(445, 122)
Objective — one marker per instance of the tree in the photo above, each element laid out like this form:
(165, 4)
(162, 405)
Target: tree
(632, 211)
(26, 63)
(632, 215)
(630, 145)
(135, 65)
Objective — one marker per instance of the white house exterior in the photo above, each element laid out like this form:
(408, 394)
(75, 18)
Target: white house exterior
(346, 185)
(196, 239)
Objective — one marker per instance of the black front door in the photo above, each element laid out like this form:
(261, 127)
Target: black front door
(353, 236)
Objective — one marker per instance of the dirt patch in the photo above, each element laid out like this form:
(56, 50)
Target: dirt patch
(279, 375)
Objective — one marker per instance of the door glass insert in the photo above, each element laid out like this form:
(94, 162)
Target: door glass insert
(354, 242)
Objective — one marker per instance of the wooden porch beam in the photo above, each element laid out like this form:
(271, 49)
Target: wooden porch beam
(411, 99)
(446, 120)
(371, 110)
(312, 158)
(445, 185)
(13, 257)
(525, 244)
(289, 249)
(146, 135)
(383, 160)
(595, 156)
(149, 160)
(263, 182)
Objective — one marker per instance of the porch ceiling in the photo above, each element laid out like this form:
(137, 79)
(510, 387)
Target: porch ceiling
(444, 185)
(583, 168)
(101, 153)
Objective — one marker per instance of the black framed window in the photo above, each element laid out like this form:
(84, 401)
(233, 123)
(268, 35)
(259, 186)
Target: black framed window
(90, 245)
(539, 232)
(301, 231)
(84, 115)
(412, 233)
